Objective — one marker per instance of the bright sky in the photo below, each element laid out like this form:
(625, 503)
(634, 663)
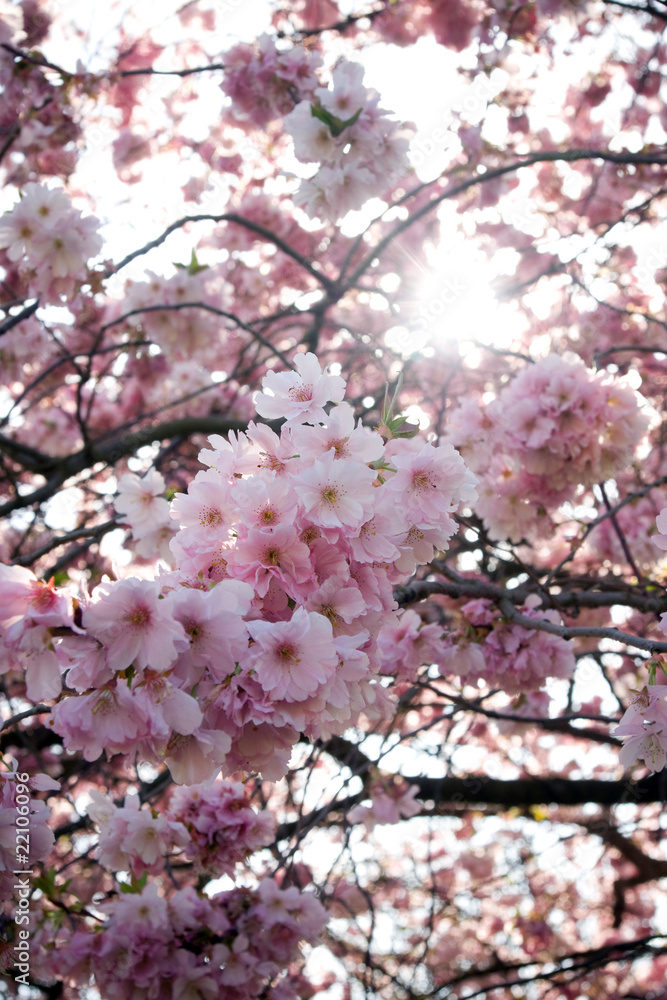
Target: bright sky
(419, 83)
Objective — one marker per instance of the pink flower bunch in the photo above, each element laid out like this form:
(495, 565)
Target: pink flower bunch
(268, 626)
(264, 83)
(50, 125)
(141, 501)
(232, 946)
(408, 645)
(29, 609)
(503, 655)
(361, 151)
(644, 728)
(556, 426)
(390, 803)
(222, 827)
(50, 240)
(134, 839)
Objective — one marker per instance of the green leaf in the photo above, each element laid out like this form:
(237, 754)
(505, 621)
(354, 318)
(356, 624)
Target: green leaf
(194, 267)
(47, 883)
(135, 886)
(335, 124)
(389, 404)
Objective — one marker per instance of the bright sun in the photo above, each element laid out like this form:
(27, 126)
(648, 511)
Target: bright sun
(457, 304)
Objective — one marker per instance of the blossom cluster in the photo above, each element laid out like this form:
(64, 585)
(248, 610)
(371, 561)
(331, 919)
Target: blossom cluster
(267, 628)
(50, 240)
(557, 425)
(213, 822)
(223, 828)
(360, 150)
(29, 609)
(181, 333)
(131, 838)
(50, 128)
(644, 729)
(408, 644)
(264, 83)
(505, 655)
(141, 502)
(232, 946)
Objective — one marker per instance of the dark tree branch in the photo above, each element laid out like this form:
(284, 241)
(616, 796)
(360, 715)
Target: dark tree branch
(253, 227)
(547, 790)
(547, 156)
(54, 543)
(38, 60)
(13, 321)
(111, 451)
(648, 8)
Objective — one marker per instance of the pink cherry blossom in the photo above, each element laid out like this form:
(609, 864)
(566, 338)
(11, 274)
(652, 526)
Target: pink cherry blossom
(336, 493)
(433, 482)
(349, 439)
(644, 729)
(276, 554)
(108, 719)
(142, 501)
(292, 659)
(207, 510)
(134, 625)
(224, 829)
(300, 395)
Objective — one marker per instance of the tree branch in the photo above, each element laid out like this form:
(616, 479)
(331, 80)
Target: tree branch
(13, 321)
(239, 220)
(547, 156)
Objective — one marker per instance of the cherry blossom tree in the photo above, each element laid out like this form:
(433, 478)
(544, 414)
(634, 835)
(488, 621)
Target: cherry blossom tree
(333, 591)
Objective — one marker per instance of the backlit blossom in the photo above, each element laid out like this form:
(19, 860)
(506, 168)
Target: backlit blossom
(644, 729)
(389, 804)
(142, 501)
(299, 395)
